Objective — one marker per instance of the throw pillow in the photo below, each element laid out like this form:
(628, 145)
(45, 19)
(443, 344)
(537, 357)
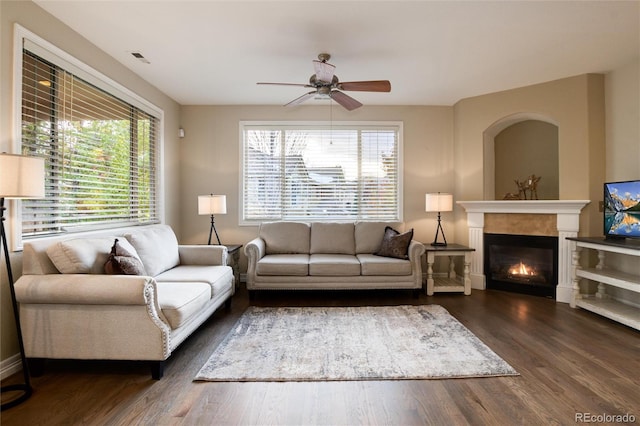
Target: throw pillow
(395, 244)
(157, 247)
(80, 255)
(123, 260)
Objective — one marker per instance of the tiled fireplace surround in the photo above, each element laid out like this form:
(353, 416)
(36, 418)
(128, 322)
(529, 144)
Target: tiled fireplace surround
(525, 217)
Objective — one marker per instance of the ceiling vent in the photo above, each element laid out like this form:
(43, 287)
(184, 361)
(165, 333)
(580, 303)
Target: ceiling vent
(140, 57)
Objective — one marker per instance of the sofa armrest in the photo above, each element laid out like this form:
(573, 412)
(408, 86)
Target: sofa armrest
(415, 251)
(86, 289)
(254, 250)
(203, 255)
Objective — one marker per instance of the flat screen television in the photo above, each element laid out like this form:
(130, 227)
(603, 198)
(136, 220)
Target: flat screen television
(622, 209)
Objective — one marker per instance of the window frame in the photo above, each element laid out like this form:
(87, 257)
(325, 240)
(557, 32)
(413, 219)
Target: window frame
(23, 37)
(398, 125)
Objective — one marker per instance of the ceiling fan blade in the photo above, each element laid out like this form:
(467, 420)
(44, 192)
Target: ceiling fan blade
(345, 100)
(288, 84)
(324, 71)
(302, 98)
(366, 86)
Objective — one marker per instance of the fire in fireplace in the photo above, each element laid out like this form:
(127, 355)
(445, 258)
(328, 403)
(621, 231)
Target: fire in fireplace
(521, 263)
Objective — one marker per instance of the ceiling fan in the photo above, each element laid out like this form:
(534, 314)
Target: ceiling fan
(325, 83)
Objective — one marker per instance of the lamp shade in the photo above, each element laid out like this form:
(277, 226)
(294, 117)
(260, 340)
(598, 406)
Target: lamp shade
(21, 176)
(212, 204)
(439, 202)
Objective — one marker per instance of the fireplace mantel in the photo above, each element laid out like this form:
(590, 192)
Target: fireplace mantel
(568, 223)
(525, 206)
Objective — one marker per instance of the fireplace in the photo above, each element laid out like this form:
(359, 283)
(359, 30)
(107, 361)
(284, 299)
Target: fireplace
(521, 263)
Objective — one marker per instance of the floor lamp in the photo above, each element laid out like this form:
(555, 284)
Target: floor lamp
(212, 204)
(439, 202)
(20, 177)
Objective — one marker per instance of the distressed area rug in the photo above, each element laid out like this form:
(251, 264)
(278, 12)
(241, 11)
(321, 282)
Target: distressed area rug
(353, 343)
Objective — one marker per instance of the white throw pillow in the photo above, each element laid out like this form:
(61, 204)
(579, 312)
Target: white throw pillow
(81, 255)
(157, 247)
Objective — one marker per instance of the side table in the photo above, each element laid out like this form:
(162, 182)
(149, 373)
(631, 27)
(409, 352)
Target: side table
(450, 283)
(234, 260)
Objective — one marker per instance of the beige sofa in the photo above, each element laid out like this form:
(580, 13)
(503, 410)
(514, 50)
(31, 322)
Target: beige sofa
(71, 309)
(328, 255)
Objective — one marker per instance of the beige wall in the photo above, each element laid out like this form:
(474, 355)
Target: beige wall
(622, 104)
(210, 158)
(523, 149)
(575, 105)
(44, 25)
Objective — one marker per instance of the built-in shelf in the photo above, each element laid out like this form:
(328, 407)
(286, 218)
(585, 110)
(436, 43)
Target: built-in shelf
(600, 302)
(614, 310)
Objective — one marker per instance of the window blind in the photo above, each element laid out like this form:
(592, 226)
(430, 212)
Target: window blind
(321, 172)
(100, 153)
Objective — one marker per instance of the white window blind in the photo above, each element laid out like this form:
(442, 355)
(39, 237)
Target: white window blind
(321, 172)
(100, 153)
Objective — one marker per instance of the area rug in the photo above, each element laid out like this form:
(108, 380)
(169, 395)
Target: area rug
(353, 343)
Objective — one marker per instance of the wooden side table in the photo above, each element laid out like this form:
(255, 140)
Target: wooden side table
(234, 260)
(450, 283)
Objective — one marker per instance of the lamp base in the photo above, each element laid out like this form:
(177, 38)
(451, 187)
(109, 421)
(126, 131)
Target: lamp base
(438, 231)
(25, 387)
(21, 387)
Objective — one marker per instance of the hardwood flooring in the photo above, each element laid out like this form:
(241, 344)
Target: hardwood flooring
(571, 363)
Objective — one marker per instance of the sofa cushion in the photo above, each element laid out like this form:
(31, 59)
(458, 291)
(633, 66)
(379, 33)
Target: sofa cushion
(332, 238)
(284, 264)
(368, 235)
(123, 260)
(371, 264)
(285, 237)
(188, 273)
(157, 247)
(180, 301)
(333, 265)
(395, 244)
(80, 255)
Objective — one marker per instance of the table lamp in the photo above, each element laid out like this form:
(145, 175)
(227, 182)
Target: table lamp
(212, 204)
(439, 202)
(20, 177)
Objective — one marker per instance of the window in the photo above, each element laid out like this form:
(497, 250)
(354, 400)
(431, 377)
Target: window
(99, 149)
(336, 171)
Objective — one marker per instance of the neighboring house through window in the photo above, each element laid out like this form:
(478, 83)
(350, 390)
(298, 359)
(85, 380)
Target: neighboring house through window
(99, 141)
(321, 171)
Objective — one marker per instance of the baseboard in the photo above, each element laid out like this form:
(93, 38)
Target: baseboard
(10, 366)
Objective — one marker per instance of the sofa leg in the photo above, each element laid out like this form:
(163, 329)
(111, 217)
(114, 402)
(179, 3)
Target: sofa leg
(35, 366)
(157, 370)
(227, 304)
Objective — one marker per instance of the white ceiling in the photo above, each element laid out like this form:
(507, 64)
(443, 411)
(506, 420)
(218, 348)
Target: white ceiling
(211, 52)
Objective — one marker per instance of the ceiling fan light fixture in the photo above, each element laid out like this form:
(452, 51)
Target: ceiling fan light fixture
(325, 82)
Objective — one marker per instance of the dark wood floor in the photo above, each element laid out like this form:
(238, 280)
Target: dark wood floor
(570, 362)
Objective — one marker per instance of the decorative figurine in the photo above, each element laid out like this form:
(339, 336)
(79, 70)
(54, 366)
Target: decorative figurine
(529, 184)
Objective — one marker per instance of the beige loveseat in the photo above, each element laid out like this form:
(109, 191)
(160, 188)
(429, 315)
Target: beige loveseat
(71, 309)
(330, 255)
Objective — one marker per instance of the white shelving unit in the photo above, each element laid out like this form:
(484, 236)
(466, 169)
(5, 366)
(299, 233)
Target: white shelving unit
(600, 302)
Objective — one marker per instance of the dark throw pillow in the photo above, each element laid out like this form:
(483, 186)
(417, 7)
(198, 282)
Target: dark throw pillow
(123, 261)
(395, 244)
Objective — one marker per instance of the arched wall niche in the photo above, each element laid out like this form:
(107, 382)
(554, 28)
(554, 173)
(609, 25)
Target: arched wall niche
(489, 136)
